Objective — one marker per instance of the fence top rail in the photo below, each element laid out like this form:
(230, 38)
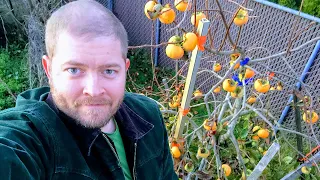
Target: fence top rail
(292, 11)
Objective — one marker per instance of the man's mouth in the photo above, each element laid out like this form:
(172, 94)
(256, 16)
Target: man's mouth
(94, 104)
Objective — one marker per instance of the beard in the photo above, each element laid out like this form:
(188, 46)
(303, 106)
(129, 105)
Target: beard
(88, 118)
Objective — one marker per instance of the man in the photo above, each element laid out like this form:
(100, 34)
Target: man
(84, 126)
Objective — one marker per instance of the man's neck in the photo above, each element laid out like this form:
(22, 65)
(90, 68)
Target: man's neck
(110, 127)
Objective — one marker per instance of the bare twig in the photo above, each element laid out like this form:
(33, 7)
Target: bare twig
(241, 5)
(152, 46)
(217, 52)
(284, 52)
(225, 24)
(5, 33)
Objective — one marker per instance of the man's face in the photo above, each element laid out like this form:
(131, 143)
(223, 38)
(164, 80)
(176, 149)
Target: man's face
(87, 78)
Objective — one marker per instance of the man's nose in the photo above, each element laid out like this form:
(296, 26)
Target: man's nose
(93, 87)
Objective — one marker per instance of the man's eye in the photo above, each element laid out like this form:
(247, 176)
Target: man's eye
(109, 72)
(73, 71)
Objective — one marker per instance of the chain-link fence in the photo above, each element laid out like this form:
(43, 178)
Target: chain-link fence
(105, 3)
(131, 14)
(265, 34)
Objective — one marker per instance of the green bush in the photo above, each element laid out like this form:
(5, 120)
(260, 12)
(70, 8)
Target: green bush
(274, 1)
(13, 73)
(311, 7)
(288, 3)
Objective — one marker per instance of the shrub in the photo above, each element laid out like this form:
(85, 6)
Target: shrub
(13, 73)
(311, 7)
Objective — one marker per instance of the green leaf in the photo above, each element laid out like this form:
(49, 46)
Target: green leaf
(254, 154)
(287, 159)
(246, 123)
(246, 160)
(252, 161)
(237, 132)
(244, 133)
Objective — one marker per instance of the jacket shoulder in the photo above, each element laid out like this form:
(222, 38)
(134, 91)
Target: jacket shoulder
(145, 107)
(17, 112)
(23, 122)
(22, 145)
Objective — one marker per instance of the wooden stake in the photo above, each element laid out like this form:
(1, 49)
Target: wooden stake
(202, 31)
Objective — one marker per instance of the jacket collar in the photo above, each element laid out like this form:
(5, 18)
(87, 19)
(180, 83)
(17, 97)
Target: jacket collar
(131, 125)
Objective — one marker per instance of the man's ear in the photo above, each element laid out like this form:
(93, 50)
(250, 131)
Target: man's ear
(46, 63)
(127, 64)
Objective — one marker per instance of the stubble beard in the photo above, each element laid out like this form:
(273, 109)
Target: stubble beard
(94, 118)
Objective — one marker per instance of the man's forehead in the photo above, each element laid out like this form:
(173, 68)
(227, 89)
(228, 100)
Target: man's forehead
(70, 38)
(96, 51)
(69, 44)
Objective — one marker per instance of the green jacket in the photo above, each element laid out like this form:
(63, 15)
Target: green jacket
(36, 144)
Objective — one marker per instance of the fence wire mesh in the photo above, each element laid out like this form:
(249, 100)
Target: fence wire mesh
(266, 34)
(105, 3)
(138, 26)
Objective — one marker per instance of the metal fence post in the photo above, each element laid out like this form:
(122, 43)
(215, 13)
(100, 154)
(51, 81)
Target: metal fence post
(302, 78)
(110, 5)
(156, 51)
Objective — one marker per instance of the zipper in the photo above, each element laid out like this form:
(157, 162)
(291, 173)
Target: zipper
(89, 151)
(134, 160)
(114, 151)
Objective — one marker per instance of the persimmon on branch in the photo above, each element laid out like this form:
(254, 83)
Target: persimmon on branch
(182, 6)
(154, 10)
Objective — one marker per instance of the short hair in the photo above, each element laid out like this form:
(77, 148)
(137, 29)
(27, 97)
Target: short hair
(84, 18)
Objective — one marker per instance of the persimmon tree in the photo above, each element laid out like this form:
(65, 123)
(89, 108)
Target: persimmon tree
(237, 134)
